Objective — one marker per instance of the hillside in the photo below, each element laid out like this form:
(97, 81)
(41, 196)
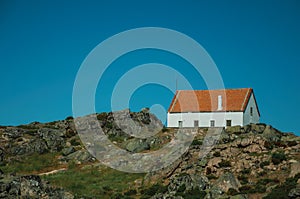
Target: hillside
(48, 160)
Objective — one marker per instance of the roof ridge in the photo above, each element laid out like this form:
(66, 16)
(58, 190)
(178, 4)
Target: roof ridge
(175, 100)
(245, 99)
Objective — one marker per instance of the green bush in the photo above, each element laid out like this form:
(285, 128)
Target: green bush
(278, 157)
(130, 192)
(196, 142)
(263, 164)
(281, 191)
(243, 179)
(217, 154)
(225, 163)
(232, 192)
(193, 194)
(157, 188)
(246, 171)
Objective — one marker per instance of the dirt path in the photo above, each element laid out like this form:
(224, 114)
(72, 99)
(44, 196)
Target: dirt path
(53, 172)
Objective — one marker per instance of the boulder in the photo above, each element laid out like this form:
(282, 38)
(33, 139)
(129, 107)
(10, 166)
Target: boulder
(295, 193)
(186, 182)
(30, 186)
(295, 169)
(257, 128)
(80, 156)
(68, 150)
(227, 181)
(233, 130)
(137, 145)
(271, 134)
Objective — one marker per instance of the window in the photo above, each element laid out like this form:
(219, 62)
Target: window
(179, 123)
(212, 123)
(251, 111)
(196, 123)
(228, 122)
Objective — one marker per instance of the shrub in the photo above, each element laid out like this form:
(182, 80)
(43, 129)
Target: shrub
(245, 189)
(232, 192)
(225, 163)
(217, 154)
(263, 164)
(197, 142)
(281, 191)
(211, 176)
(278, 157)
(246, 171)
(130, 192)
(181, 188)
(193, 194)
(157, 188)
(243, 179)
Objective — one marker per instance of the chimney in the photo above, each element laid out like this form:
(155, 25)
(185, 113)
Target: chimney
(220, 107)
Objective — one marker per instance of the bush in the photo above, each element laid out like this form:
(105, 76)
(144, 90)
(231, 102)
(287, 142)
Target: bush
(225, 163)
(281, 191)
(130, 192)
(232, 192)
(196, 142)
(263, 164)
(211, 176)
(193, 194)
(245, 189)
(278, 157)
(243, 179)
(217, 154)
(246, 171)
(157, 188)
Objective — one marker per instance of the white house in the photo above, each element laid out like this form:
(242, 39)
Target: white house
(213, 108)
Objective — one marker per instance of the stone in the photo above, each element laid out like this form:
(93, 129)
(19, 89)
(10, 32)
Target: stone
(271, 134)
(239, 196)
(233, 130)
(214, 162)
(80, 156)
(137, 145)
(254, 148)
(30, 186)
(295, 169)
(257, 128)
(295, 193)
(227, 181)
(68, 150)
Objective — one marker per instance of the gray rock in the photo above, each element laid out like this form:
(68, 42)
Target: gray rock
(81, 156)
(257, 128)
(239, 196)
(188, 181)
(270, 134)
(233, 130)
(137, 145)
(227, 181)
(53, 138)
(29, 187)
(295, 169)
(295, 193)
(68, 150)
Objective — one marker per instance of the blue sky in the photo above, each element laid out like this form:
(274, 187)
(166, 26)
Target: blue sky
(43, 43)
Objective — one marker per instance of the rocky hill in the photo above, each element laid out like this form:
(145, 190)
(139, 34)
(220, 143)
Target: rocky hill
(48, 160)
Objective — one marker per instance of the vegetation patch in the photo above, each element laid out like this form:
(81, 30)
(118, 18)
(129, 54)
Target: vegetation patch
(85, 182)
(34, 163)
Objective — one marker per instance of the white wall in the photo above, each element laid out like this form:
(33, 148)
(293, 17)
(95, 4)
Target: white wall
(204, 119)
(247, 117)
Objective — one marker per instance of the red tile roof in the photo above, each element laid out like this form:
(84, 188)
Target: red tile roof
(207, 100)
